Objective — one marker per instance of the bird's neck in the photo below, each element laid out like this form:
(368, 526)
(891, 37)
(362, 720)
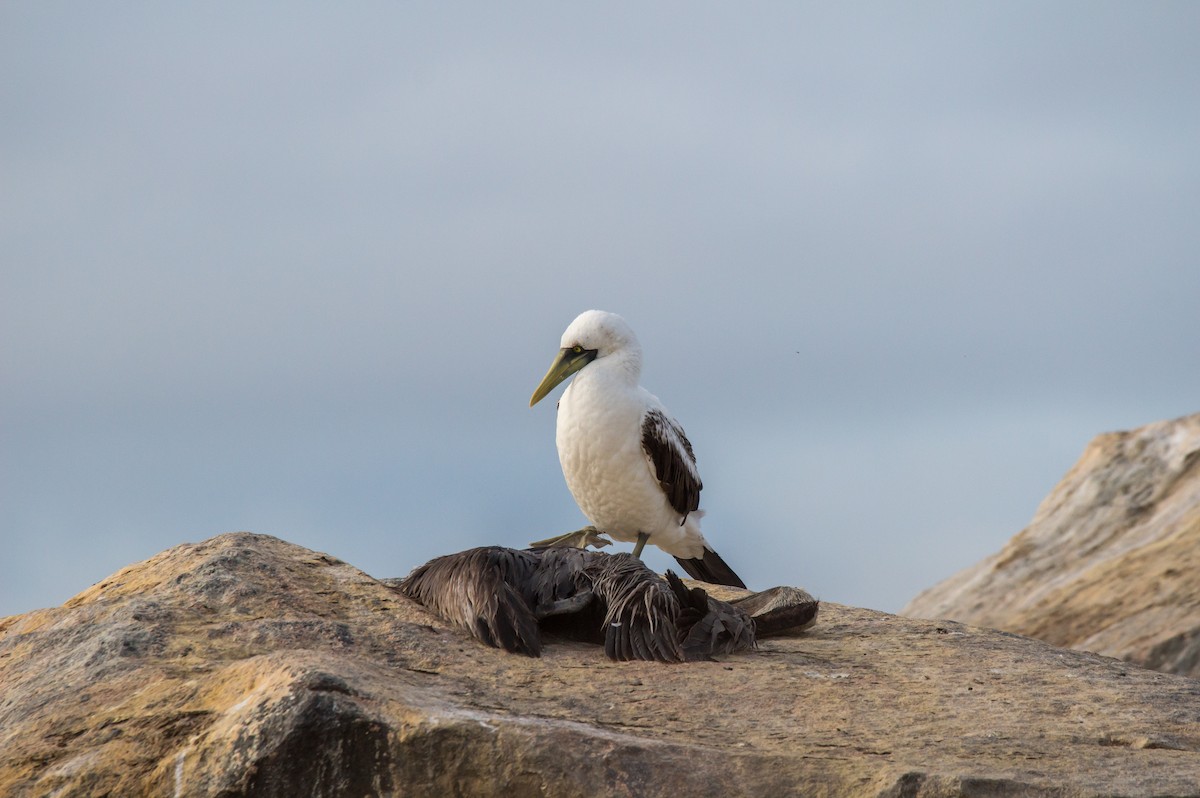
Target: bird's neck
(625, 365)
(620, 369)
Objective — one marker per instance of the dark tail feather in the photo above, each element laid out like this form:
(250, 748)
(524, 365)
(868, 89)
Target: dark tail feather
(712, 569)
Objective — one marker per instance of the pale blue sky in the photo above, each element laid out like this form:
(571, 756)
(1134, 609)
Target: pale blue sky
(297, 268)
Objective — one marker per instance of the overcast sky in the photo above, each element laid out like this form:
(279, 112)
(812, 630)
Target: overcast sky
(296, 269)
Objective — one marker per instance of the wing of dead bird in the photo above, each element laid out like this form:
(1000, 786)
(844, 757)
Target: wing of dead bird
(639, 622)
(482, 591)
(707, 626)
(560, 584)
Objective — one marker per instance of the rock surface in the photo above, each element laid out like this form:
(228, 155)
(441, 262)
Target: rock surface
(1111, 561)
(248, 666)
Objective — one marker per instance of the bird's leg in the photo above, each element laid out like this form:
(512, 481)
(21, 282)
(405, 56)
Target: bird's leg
(579, 539)
(567, 606)
(641, 544)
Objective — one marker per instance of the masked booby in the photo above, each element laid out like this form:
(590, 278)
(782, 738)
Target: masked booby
(627, 462)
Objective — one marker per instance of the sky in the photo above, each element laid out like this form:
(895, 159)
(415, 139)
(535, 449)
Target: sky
(297, 268)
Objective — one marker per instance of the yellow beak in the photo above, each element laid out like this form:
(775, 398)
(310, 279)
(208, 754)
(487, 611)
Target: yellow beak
(566, 362)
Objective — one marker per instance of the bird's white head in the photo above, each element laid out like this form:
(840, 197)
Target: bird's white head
(606, 333)
(594, 334)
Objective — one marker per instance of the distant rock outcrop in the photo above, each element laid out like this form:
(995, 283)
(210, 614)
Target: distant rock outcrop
(1111, 561)
(247, 666)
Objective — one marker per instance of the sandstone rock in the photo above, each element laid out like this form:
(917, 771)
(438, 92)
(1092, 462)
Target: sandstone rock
(247, 666)
(1109, 563)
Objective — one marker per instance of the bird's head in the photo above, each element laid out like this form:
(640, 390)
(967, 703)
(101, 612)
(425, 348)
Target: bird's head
(594, 334)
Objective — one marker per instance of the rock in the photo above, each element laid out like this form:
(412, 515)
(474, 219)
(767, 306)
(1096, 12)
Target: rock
(248, 666)
(1109, 562)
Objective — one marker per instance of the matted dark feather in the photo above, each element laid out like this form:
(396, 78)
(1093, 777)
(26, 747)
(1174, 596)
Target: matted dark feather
(508, 598)
(561, 574)
(707, 626)
(640, 621)
(482, 591)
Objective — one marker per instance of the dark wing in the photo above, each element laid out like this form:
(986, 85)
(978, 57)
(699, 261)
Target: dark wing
(670, 452)
(639, 623)
(708, 626)
(560, 585)
(482, 591)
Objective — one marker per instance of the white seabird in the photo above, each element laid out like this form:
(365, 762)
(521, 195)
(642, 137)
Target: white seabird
(628, 464)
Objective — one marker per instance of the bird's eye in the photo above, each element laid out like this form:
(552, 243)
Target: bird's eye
(577, 349)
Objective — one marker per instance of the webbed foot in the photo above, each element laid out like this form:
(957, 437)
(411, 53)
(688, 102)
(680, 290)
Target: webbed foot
(579, 539)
